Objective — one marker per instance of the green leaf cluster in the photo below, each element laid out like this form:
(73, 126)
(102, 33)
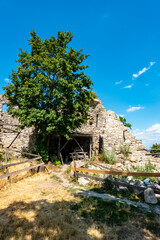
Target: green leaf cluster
(155, 149)
(49, 89)
(123, 120)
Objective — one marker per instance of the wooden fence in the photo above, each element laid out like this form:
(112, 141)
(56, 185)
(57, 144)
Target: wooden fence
(6, 165)
(79, 172)
(121, 173)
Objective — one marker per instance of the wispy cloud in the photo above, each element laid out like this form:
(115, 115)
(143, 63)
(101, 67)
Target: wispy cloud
(129, 86)
(118, 82)
(7, 80)
(132, 109)
(136, 75)
(149, 136)
(120, 115)
(154, 129)
(146, 84)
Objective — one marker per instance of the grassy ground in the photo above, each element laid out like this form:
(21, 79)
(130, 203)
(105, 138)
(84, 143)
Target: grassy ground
(38, 207)
(15, 178)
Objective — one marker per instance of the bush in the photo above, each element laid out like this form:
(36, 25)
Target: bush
(148, 167)
(107, 185)
(57, 162)
(155, 149)
(109, 157)
(125, 150)
(2, 156)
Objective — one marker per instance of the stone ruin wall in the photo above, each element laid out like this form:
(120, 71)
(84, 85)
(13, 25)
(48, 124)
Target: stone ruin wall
(7, 124)
(102, 124)
(107, 126)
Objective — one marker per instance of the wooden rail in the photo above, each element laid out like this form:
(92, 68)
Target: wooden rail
(19, 171)
(8, 175)
(121, 173)
(14, 164)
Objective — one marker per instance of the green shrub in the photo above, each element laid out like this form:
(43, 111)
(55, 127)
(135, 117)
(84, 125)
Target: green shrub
(109, 157)
(155, 149)
(57, 162)
(125, 150)
(2, 156)
(108, 186)
(148, 167)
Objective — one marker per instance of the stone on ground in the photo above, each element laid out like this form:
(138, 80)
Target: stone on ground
(83, 181)
(149, 196)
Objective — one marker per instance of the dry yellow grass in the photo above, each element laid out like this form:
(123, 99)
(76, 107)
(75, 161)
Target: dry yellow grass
(15, 178)
(38, 207)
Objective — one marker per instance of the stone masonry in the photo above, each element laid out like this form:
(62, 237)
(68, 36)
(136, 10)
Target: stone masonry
(104, 127)
(107, 128)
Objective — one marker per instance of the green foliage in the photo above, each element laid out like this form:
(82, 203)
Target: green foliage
(109, 157)
(148, 167)
(57, 162)
(125, 150)
(107, 185)
(156, 146)
(123, 120)
(86, 165)
(49, 90)
(41, 147)
(2, 156)
(68, 170)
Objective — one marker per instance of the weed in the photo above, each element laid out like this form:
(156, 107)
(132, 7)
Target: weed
(68, 170)
(57, 162)
(148, 167)
(125, 150)
(109, 157)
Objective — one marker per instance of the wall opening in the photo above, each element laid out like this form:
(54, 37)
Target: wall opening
(5, 108)
(97, 120)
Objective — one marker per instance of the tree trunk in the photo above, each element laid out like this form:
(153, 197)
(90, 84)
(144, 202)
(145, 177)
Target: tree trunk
(59, 152)
(48, 144)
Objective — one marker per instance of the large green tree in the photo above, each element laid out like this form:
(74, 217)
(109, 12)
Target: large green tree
(49, 89)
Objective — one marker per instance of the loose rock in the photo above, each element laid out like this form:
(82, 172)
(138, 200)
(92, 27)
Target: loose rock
(149, 196)
(83, 181)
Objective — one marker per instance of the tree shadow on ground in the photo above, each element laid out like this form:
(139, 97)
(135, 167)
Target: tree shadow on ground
(86, 218)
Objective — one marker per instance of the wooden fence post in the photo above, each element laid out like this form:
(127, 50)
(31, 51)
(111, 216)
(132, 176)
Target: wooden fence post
(6, 160)
(75, 171)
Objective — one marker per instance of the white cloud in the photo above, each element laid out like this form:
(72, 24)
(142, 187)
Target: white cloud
(129, 86)
(132, 109)
(155, 128)
(149, 136)
(118, 82)
(7, 80)
(136, 75)
(120, 115)
(152, 63)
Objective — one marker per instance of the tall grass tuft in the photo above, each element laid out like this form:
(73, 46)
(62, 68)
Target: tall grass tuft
(125, 150)
(109, 157)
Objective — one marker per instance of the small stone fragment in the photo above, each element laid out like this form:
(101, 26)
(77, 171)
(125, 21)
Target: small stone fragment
(149, 196)
(147, 181)
(83, 181)
(125, 180)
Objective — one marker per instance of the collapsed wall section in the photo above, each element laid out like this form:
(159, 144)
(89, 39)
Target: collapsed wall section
(118, 138)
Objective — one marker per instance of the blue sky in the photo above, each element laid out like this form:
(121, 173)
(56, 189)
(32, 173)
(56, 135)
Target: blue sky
(122, 38)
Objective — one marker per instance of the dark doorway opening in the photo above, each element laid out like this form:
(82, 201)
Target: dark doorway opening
(72, 146)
